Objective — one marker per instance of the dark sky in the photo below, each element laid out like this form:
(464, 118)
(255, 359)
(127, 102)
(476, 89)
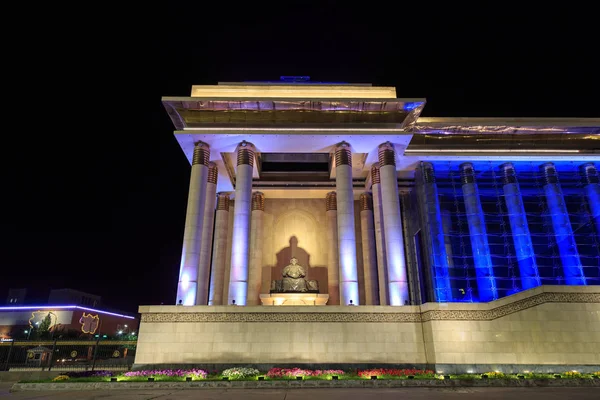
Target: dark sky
(94, 186)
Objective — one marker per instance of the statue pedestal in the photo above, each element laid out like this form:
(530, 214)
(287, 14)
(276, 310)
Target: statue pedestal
(294, 299)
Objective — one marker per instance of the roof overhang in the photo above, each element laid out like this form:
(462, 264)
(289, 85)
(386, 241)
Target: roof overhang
(213, 112)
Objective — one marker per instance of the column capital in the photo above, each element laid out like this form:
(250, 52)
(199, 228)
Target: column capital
(366, 202)
(508, 173)
(201, 154)
(213, 173)
(343, 154)
(245, 153)
(331, 201)
(549, 171)
(375, 179)
(428, 172)
(467, 173)
(589, 172)
(386, 154)
(223, 201)
(258, 201)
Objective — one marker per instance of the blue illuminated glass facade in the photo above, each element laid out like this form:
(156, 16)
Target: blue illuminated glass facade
(540, 222)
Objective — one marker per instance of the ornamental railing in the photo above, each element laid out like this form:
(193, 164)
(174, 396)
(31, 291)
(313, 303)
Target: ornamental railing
(67, 355)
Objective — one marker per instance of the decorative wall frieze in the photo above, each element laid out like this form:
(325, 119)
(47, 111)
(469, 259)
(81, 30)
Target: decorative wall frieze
(519, 305)
(398, 317)
(281, 317)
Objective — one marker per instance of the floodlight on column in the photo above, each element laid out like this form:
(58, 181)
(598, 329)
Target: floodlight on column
(207, 235)
(563, 232)
(392, 223)
(592, 192)
(345, 221)
(430, 206)
(367, 227)
(333, 272)
(379, 235)
(240, 249)
(194, 220)
(219, 252)
(256, 242)
(528, 269)
(486, 281)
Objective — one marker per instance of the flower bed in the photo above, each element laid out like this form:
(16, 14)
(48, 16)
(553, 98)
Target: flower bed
(246, 373)
(167, 374)
(291, 373)
(240, 373)
(390, 373)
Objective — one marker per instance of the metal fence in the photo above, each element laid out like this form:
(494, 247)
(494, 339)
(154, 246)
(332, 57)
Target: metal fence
(67, 355)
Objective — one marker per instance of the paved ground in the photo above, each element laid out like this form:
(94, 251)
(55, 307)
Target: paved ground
(317, 394)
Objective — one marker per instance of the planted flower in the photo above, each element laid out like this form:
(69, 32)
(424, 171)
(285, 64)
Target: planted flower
(240, 373)
(396, 373)
(275, 373)
(168, 373)
(495, 375)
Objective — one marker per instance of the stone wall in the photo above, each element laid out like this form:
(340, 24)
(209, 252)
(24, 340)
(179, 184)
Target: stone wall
(545, 326)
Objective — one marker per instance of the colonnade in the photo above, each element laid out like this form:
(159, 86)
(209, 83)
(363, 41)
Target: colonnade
(205, 246)
(439, 260)
(204, 258)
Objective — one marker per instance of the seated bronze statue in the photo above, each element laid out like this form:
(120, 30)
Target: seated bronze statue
(293, 280)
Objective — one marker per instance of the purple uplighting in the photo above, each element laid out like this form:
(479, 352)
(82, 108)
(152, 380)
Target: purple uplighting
(15, 308)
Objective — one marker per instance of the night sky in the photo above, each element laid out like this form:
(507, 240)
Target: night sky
(94, 185)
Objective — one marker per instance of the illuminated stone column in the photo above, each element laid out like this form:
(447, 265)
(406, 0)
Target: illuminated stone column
(240, 249)
(207, 235)
(192, 235)
(345, 222)
(563, 232)
(430, 208)
(219, 252)
(519, 227)
(592, 191)
(367, 227)
(333, 272)
(392, 224)
(484, 271)
(379, 235)
(256, 242)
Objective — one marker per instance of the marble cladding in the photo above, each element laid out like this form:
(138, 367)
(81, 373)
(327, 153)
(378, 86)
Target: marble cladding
(548, 325)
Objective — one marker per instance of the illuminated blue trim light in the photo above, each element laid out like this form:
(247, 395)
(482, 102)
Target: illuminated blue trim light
(409, 106)
(45, 307)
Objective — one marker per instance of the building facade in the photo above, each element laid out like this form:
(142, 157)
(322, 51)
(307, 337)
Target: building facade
(381, 206)
(468, 244)
(68, 313)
